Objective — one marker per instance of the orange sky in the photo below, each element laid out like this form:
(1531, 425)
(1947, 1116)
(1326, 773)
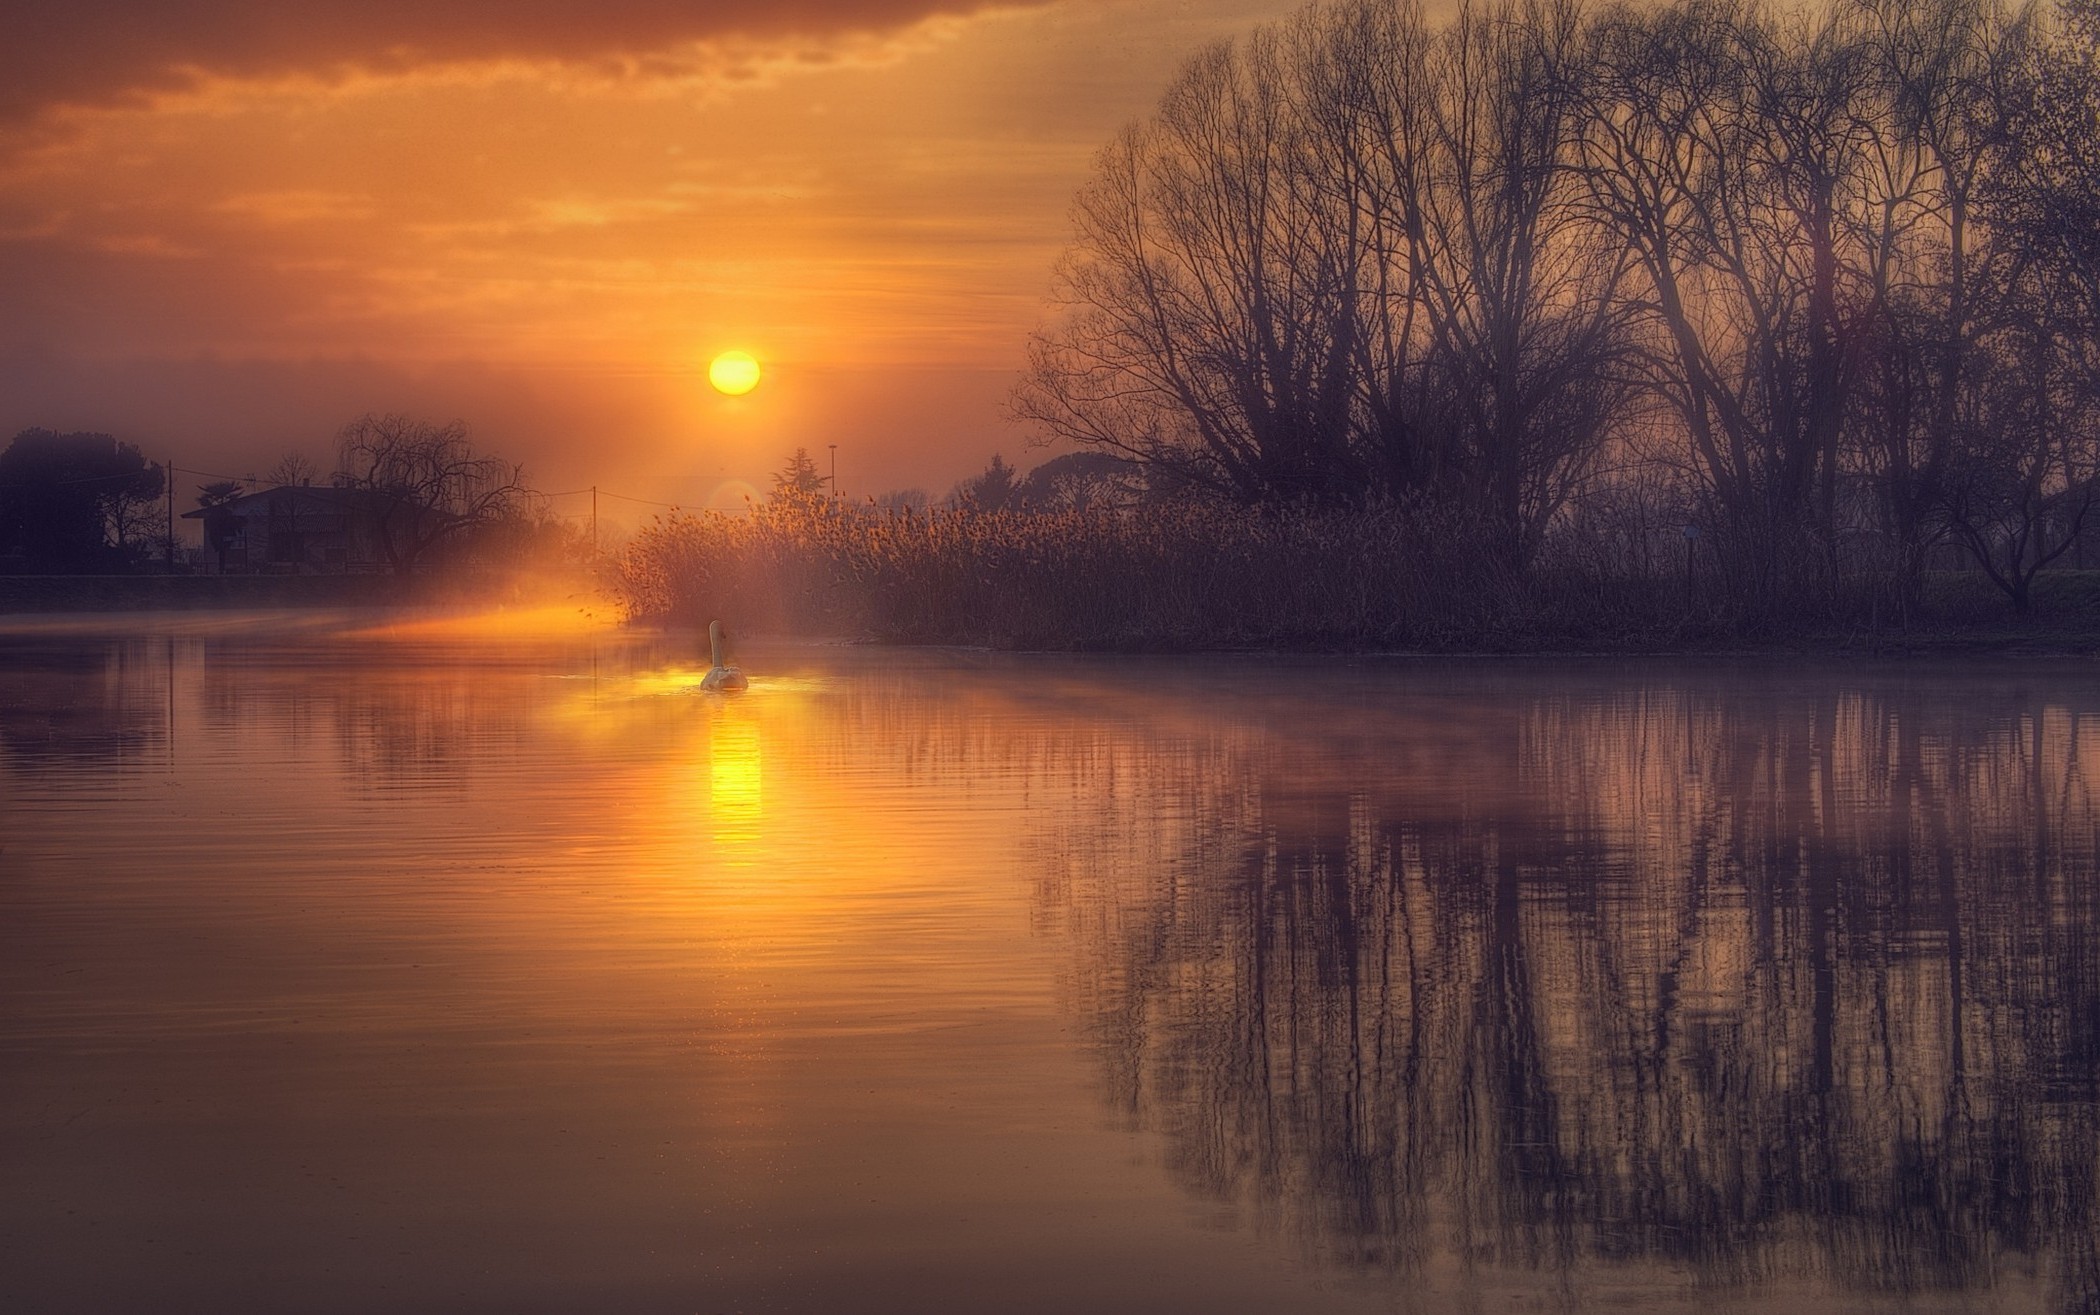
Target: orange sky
(228, 226)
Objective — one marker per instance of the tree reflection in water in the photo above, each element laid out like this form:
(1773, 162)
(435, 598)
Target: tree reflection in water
(105, 702)
(1760, 984)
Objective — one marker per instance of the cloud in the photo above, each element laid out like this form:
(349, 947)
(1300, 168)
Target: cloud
(102, 51)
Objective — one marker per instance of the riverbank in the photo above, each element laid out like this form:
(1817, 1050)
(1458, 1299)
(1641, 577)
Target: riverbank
(1962, 616)
(58, 594)
(181, 593)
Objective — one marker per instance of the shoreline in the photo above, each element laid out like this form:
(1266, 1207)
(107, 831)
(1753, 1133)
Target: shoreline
(61, 594)
(49, 603)
(486, 615)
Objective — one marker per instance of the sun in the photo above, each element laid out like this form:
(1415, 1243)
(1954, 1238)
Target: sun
(734, 373)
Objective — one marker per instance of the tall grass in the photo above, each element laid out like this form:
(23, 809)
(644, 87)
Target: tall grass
(1208, 577)
(1157, 578)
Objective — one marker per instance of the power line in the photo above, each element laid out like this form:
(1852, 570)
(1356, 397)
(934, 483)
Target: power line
(608, 493)
(647, 502)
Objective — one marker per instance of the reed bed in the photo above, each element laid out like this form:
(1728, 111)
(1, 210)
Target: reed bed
(1172, 578)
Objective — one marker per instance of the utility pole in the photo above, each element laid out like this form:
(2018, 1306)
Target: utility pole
(169, 472)
(834, 471)
(594, 522)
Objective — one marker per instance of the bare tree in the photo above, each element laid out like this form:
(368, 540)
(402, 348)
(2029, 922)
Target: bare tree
(1724, 149)
(294, 468)
(422, 485)
(1208, 298)
(1815, 274)
(1979, 416)
(1345, 261)
(2050, 191)
(2024, 471)
(1944, 272)
(1527, 329)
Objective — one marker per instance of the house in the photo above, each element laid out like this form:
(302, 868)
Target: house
(292, 529)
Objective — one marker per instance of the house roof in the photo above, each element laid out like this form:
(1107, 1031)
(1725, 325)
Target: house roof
(304, 499)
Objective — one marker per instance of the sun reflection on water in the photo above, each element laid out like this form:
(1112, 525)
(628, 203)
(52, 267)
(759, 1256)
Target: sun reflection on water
(735, 794)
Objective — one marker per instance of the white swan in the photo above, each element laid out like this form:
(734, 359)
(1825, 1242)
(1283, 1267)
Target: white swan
(720, 676)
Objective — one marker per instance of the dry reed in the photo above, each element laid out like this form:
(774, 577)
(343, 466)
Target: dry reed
(1186, 577)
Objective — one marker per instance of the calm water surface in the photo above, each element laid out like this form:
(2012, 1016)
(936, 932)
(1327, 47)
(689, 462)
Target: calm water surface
(419, 969)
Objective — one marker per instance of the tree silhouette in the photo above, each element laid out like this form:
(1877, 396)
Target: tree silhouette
(423, 485)
(1080, 481)
(797, 483)
(1347, 261)
(996, 489)
(1821, 280)
(72, 502)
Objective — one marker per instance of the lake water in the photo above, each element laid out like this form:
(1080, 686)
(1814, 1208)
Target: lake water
(455, 968)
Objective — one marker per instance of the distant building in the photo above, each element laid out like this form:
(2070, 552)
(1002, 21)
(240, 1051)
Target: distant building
(291, 530)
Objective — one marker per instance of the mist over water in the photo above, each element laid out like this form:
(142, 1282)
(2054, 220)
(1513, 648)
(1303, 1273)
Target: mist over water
(438, 968)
